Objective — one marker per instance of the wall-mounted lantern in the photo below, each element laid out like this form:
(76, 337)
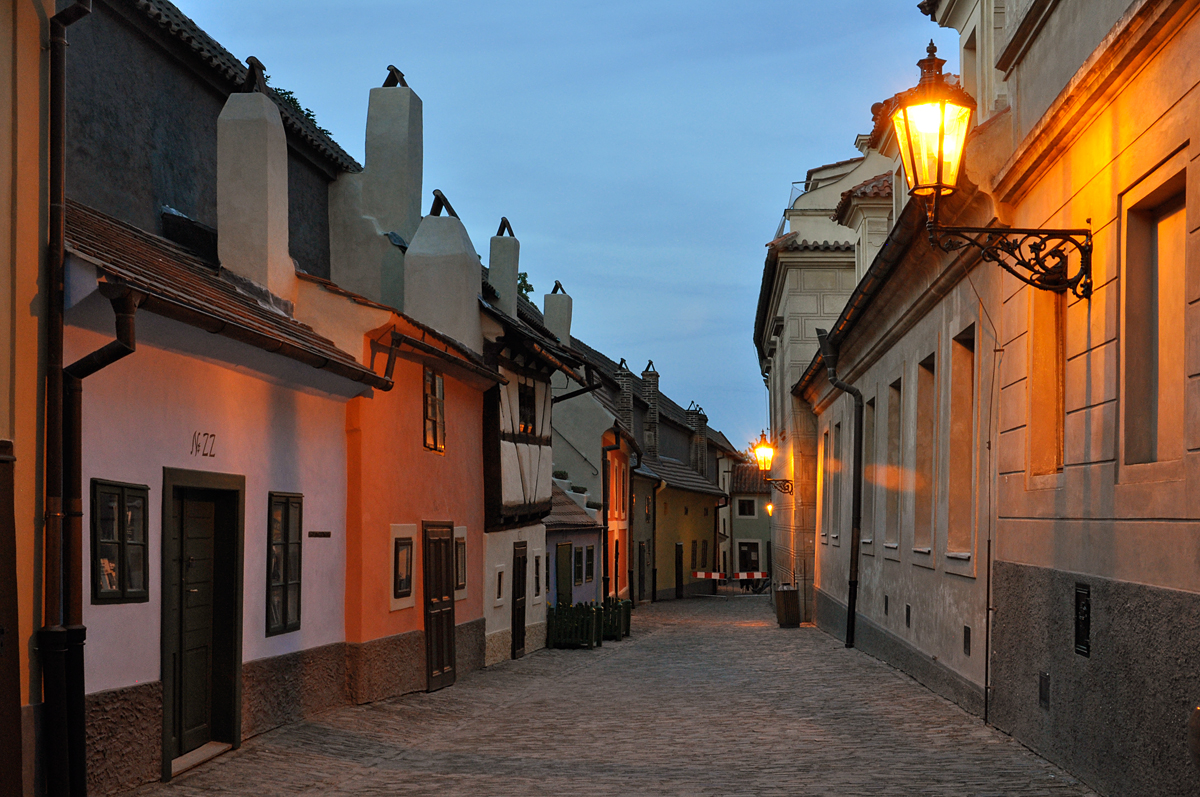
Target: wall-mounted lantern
(764, 452)
(931, 123)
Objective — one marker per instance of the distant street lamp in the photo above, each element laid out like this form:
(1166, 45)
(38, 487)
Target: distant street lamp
(764, 453)
(932, 121)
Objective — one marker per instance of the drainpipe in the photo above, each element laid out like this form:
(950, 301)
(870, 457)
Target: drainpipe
(633, 599)
(66, 774)
(658, 488)
(830, 356)
(607, 481)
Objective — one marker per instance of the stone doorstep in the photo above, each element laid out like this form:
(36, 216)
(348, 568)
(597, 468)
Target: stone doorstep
(203, 753)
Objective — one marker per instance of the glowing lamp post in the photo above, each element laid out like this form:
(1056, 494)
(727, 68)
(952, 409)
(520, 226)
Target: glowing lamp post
(931, 122)
(764, 452)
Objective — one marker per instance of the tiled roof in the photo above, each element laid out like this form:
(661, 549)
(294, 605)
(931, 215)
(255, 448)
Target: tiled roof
(566, 514)
(747, 480)
(879, 186)
(182, 286)
(792, 242)
(680, 476)
(719, 439)
(176, 24)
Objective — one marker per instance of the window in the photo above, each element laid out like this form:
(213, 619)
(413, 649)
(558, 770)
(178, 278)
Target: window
(283, 563)
(694, 555)
(402, 554)
(962, 441)
(578, 566)
(435, 411)
(747, 507)
(826, 455)
(868, 487)
(120, 567)
(1047, 373)
(926, 451)
(1155, 375)
(835, 487)
(590, 570)
(526, 407)
(704, 555)
(460, 563)
(647, 509)
(537, 576)
(499, 585)
(892, 473)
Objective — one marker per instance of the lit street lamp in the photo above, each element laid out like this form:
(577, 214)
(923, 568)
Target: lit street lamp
(932, 121)
(764, 453)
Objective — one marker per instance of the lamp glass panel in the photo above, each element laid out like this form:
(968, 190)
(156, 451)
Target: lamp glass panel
(920, 129)
(764, 454)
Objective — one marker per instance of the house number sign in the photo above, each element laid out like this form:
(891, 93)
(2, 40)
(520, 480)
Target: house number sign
(204, 444)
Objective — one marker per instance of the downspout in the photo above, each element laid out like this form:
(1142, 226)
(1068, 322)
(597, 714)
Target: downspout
(607, 481)
(830, 356)
(629, 520)
(658, 488)
(65, 760)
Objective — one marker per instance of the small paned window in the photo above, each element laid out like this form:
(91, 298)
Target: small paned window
(647, 509)
(537, 576)
(589, 571)
(526, 408)
(693, 554)
(120, 566)
(746, 507)
(283, 563)
(435, 411)
(704, 555)
(460, 563)
(402, 556)
(578, 566)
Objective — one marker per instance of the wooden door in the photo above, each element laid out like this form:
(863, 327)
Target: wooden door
(196, 624)
(439, 606)
(747, 557)
(520, 569)
(641, 570)
(679, 570)
(563, 578)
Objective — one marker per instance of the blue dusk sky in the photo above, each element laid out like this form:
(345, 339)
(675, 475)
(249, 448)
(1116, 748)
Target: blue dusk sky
(643, 151)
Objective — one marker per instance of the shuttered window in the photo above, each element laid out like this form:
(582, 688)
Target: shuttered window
(283, 563)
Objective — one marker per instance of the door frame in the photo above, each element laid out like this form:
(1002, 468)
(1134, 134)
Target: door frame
(520, 552)
(169, 537)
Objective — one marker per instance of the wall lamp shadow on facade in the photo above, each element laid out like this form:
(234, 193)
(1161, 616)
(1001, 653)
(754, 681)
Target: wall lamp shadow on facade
(931, 122)
(764, 452)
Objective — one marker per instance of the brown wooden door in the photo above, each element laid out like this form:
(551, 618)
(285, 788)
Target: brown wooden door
(439, 606)
(641, 593)
(679, 570)
(563, 580)
(520, 569)
(196, 625)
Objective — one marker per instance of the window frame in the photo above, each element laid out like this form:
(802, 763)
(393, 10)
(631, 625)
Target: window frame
(752, 502)
(526, 407)
(589, 563)
(577, 563)
(460, 563)
(401, 590)
(288, 500)
(433, 401)
(123, 594)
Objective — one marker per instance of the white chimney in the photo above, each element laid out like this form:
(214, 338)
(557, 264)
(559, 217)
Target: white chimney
(252, 193)
(503, 263)
(374, 215)
(557, 312)
(442, 279)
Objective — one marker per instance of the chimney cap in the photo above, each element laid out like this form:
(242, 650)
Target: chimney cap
(395, 78)
(255, 80)
(505, 226)
(649, 367)
(439, 202)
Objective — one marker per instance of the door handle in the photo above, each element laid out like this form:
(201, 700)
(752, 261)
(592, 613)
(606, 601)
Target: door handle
(193, 590)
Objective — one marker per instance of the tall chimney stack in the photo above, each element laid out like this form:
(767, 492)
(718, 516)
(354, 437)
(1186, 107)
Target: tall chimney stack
(698, 423)
(252, 189)
(557, 311)
(625, 400)
(650, 394)
(441, 277)
(504, 259)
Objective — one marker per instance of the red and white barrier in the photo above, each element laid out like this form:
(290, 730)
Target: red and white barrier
(750, 574)
(706, 574)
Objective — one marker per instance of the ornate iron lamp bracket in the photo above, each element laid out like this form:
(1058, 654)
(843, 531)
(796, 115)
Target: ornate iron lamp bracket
(1040, 258)
(782, 485)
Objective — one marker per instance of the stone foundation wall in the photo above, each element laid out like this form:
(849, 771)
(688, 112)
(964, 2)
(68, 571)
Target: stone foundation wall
(124, 738)
(535, 637)
(283, 689)
(1117, 717)
(499, 647)
(469, 646)
(385, 667)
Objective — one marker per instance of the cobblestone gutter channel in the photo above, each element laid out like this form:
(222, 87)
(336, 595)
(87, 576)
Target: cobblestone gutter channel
(707, 696)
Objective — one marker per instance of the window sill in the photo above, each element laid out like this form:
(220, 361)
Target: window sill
(925, 551)
(966, 557)
(892, 545)
(867, 542)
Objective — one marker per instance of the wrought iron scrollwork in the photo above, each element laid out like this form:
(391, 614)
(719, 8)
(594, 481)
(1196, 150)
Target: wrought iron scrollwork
(782, 485)
(1040, 258)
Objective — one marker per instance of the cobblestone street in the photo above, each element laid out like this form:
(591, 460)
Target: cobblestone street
(707, 697)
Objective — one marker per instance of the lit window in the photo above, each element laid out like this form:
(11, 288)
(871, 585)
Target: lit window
(435, 411)
(402, 567)
(120, 566)
(526, 408)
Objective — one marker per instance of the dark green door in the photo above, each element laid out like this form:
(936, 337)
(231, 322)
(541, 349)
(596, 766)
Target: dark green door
(562, 574)
(520, 568)
(439, 606)
(679, 568)
(196, 625)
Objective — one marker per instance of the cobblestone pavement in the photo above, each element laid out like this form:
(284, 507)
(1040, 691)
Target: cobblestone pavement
(708, 697)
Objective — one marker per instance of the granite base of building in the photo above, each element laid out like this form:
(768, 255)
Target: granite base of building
(31, 776)
(288, 688)
(386, 667)
(469, 644)
(124, 737)
(499, 647)
(535, 637)
(1116, 717)
(887, 647)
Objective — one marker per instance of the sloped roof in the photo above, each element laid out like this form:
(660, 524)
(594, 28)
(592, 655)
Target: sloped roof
(680, 476)
(747, 479)
(718, 438)
(227, 67)
(879, 186)
(182, 286)
(792, 242)
(566, 514)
